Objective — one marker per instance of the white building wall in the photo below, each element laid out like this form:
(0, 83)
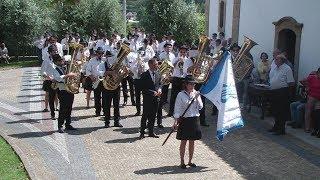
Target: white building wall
(214, 15)
(256, 17)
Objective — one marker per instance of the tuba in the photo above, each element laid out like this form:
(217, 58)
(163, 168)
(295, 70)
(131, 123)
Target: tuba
(165, 70)
(111, 82)
(72, 84)
(242, 63)
(204, 62)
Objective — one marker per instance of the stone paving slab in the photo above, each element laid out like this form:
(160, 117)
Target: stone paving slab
(94, 152)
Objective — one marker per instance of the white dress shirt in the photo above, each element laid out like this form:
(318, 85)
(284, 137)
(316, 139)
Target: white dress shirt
(135, 65)
(65, 44)
(135, 45)
(103, 44)
(47, 67)
(58, 77)
(148, 53)
(182, 101)
(177, 72)
(45, 53)
(280, 76)
(165, 55)
(92, 66)
(187, 63)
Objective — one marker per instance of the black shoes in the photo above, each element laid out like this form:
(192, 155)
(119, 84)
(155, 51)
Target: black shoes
(117, 124)
(70, 128)
(205, 124)
(272, 130)
(192, 165)
(141, 136)
(124, 104)
(60, 130)
(45, 110)
(137, 114)
(183, 166)
(97, 115)
(153, 135)
(160, 126)
(106, 125)
(53, 118)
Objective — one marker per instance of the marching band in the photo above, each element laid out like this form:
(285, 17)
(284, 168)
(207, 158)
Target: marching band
(144, 77)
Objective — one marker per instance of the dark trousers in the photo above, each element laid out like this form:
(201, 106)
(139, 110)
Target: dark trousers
(97, 98)
(280, 105)
(203, 110)
(176, 88)
(39, 54)
(137, 92)
(128, 79)
(150, 106)
(66, 101)
(108, 96)
(165, 90)
(52, 95)
(65, 52)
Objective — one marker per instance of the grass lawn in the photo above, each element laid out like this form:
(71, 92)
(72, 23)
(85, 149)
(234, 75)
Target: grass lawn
(10, 165)
(19, 64)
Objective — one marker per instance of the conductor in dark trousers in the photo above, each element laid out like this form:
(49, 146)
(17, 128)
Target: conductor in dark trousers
(151, 89)
(66, 98)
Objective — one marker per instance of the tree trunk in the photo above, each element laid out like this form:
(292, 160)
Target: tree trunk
(124, 13)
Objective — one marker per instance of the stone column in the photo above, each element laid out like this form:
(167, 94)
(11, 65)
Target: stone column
(236, 21)
(207, 14)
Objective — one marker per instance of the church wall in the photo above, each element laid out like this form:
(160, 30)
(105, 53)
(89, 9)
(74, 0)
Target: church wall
(256, 19)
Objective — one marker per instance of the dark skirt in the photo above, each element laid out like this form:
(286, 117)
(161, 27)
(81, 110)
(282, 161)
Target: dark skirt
(88, 84)
(189, 129)
(46, 85)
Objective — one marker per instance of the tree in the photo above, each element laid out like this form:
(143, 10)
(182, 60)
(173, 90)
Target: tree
(21, 22)
(87, 15)
(176, 16)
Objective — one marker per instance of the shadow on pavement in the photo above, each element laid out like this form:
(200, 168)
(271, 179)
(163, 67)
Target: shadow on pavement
(36, 101)
(172, 170)
(28, 112)
(30, 121)
(32, 134)
(126, 140)
(30, 96)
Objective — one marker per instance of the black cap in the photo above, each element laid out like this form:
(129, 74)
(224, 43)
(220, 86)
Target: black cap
(189, 79)
(99, 49)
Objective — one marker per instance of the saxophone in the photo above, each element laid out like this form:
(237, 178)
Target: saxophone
(111, 82)
(242, 64)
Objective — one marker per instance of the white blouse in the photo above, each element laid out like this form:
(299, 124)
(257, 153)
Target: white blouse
(182, 101)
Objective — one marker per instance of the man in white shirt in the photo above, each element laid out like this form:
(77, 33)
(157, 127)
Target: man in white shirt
(65, 44)
(135, 44)
(166, 55)
(103, 43)
(178, 75)
(93, 73)
(39, 43)
(52, 41)
(281, 82)
(109, 96)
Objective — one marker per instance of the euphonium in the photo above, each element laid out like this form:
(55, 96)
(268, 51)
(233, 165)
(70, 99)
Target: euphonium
(202, 61)
(72, 84)
(242, 64)
(165, 70)
(111, 82)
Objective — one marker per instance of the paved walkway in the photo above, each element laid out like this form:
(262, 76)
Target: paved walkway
(93, 152)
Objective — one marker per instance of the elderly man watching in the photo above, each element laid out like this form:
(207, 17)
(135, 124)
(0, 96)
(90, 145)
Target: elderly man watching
(281, 80)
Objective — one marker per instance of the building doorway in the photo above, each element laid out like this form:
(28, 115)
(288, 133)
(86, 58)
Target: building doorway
(288, 38)
(287, 43)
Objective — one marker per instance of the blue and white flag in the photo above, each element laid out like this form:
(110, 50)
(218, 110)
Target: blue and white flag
(220, 89)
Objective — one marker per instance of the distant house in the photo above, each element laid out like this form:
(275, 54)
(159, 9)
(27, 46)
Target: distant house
(290, 25)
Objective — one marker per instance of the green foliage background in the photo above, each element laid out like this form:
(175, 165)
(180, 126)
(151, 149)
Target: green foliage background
(176, 16)
(25, 20)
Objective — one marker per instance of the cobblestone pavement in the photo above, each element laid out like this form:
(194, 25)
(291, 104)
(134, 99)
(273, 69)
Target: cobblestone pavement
(94, 152)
